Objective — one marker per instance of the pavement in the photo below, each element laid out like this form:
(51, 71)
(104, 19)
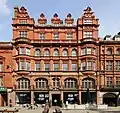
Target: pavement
(52, 109)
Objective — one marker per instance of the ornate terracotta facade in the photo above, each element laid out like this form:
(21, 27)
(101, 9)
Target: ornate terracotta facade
(63, 61)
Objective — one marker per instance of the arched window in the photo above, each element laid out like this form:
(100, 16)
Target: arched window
(37, 52)
(23, 83)
(118, 51)
(88, 83)
(70, 83)
(74, 52)
(65, 52)
(109, 51)
(47, 53)
(41, 83)
(56, 82)
(56, 53)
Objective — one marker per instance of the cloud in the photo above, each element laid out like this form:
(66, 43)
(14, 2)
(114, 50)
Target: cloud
(4, 9)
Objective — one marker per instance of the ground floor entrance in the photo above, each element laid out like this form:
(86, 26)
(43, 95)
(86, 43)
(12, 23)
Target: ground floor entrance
(88, 97)
(110, 99)
(3, 99)
(56, 99)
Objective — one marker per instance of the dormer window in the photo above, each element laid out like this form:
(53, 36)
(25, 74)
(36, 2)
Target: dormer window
(88, 34)
(42, 36)
(56, 36)
(87, 21)
(23, 21)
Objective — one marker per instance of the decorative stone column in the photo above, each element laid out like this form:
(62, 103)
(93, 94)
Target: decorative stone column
(32, 97)
(79, 97)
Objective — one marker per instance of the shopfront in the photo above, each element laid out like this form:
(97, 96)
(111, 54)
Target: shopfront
(41, 97)
(23, 97)
(71, 97)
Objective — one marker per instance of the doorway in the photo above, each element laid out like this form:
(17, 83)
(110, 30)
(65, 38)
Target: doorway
(56, 99)
(110, 99)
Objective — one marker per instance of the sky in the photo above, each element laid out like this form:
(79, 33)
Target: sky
(108, 12)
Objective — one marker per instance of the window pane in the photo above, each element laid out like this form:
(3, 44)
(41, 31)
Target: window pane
(27, 51)
(22, 50)
(69, 35)
(56, 36)
(74, 53)
(74, 67)
(65, 53)
(37, 66)
(47, 67)
(56, 67)
(83, 52)
(28, 65)
(22, 65)
(65, 67)
(37, 52)
(1, 66)
(88, 34)
(56, 53)
(46, 53)
(42, 36)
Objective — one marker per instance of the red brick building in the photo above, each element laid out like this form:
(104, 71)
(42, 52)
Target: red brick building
(62, 61)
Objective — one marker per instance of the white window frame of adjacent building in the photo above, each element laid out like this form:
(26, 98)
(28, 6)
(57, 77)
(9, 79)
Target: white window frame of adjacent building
(56, 52)
(83, 51)
(55, 67)
(109, 65)
(27, 51)
(74, 67)
(69, 36)
(56, 36)
(47, 52)
(37, 66)
(117, 65)
(88, 21)
(23, 83)
(27, 65)
(83, 66)
(117, 81)
(46, 67)
(87, 34)
(1, 66)
(22, 65)
(70, 83)
(56, 82)
(21, 50)
(23, 34)
(41, 83)
(65, 67)
(65, 52)
(109, 81)
(42, 36)
(74, 52)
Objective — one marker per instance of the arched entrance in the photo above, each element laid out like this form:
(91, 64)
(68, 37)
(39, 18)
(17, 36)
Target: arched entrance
(88, 91)
(110, 99)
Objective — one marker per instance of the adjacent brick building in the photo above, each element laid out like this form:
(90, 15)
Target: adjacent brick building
(62, 61)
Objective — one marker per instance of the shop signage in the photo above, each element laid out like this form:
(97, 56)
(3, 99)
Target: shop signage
(2, 89)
